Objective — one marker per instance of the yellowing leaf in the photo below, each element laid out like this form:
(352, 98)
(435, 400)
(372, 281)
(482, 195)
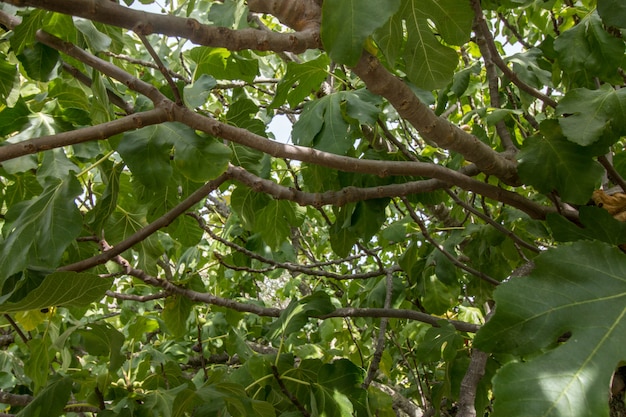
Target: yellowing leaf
(615, 204)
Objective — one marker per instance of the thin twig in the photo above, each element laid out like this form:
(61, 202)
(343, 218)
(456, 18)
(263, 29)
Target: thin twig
(443, 250)
(16, 328)
(380, 342)
(612, 173)
(139, 298)
(161, 67)
(492, 222)
(288, 393)
(497, 59)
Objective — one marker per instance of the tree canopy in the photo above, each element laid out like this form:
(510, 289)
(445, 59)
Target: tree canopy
(329, 208)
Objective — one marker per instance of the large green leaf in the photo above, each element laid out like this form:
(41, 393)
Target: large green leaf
(297, 314)
(96, 40)
(274, 222)
(429, 63)
(51, 401)
(613, 12)
(147, 153)
(452, 18)
(323, 126)
(37, 231)
(578, 291)
(39, 61)
(36, 368)
(598, 224)
(105, 341)
(223, 64)
(346, 24)
(198, 158)
(300, 81)
(587, 51)
(24, 33)
(592, 114)
(554, 163)
(64, 289)
(197, 93)
(175, 314)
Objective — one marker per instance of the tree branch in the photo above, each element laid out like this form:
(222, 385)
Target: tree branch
(443, 250)
(497, 59)
(113, 14)
(366, 166)
(400, 314)
(469, 384)
(429, 125)
(148, 230)
(86, 134)
(492, 77)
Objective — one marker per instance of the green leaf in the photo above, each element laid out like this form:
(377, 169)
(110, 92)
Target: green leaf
(274, 222)
(161, 401)
(297, 314)
(56, 164)
(107, 203)
(68, 96)
(8, 77)
(437, 297)
(105, 341)
(389, 38)
(100, 110)
(197, 158)
(175, 314)
(339, 388)
(554, 163)
(439, 343)
(429, 64)
(360, 106)
(587, 51)
(453, 19)
(37, 231)
(39, 61)
(592, 114)
(37, 366)
(12, 118)
(229, 14)
(598, 224)
(24, 33)
(613, 12)
(146, 152)
(51, 401)
(223, 64)
(322, 126)
(300, 81)
(346, 24)
(62, 289)
(578, 290)
(197, 93)
(96, 40)
(247, 204)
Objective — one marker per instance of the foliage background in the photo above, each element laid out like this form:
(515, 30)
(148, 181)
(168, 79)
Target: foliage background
(429, 240)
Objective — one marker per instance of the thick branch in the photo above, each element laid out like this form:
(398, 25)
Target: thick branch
(469, 384)
(73, 137)
(366, 166)
(113, 14)
(299, 15)
(431, 127)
